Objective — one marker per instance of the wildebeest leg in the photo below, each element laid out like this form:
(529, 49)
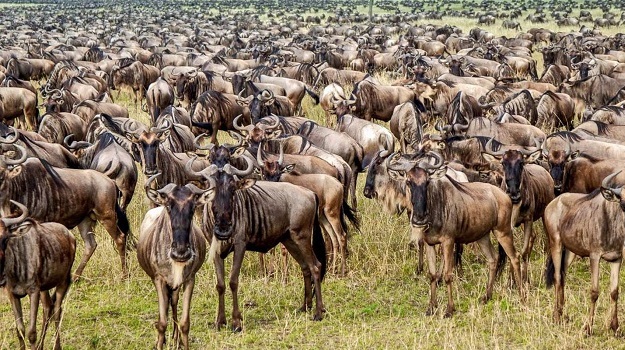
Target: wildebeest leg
(47, 306)
(594, 290)
(162, 291)
(285, 264)
(528, 244)
(86, 232)
(32, 324)
(341, 237)
(329, 230)
(16, 304)
(505, 239)
(352, 189)
(416, 242)
(300, 248)
(109, 221)
(59, 295)
(221, 291)
(185, 322)
(430, 252)
(173, 301)
(237, 261)
(489, 253)
(448, 270)
(615, 268)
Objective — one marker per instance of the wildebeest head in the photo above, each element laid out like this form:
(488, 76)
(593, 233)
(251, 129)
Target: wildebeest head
(611, 190)
(7, 225)
(227, 182)
(585, 68)
(557, 152)
(417, 175)
(55, 101)
(344, 106)
(513, 161)
(376, 174)
(148, 143)
(259, 104)
(272, 169)
(455, 65)
(183, 82)
(258, 132)
(10, 167)
(180, 203)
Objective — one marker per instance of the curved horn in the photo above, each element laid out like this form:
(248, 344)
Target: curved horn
(424, 164)
(240, 173)
(18, 220)
(196, 143)
(271, 126)
(259, 156)
(167, 124)
(188, 168)
(75, 145)
(150, 180)
(20, 160)
(460, 127)
(13, 139)
(402, 165)
(236, 125)
(281, 157)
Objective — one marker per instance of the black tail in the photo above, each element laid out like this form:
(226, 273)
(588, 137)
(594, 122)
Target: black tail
(124, 226)
(550, 269)
(350, 213)
(206, 126)
(501, 261)
(313, 95)
(319, 246)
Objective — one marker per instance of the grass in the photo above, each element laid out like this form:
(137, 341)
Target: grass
(380, 304)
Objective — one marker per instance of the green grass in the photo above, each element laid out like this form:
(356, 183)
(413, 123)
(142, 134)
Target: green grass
(379, 304)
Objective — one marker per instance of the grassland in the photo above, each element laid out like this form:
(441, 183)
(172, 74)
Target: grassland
(380, 304)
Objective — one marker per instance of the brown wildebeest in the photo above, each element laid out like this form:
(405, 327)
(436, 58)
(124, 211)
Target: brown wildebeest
(584, 173)
(333, 206)
(587, 225)
(451, 212)
(171, 249)
(34, 258)
(282, 213)
(530, 188)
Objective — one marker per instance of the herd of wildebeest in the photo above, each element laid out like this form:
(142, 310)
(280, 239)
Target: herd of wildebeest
(507, 146)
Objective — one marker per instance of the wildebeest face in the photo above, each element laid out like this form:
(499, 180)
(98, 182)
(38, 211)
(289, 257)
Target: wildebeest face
(223, 205)
(272, 170)
(180, 202)
(377, 176)
(557, 160)
(148, 144)
(417, 180)
(513, 163)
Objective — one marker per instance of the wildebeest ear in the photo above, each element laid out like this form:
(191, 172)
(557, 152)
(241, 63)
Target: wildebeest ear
(15, 171)
(573, 155)
(156, 197)
(275, 134)
(238, 152)
(245, 184)
(441, 144)
(288, 168)
(609, 195)
(22, 229)
(163, 135)
(532, 158)
(439, 173)
(132, 137)
(135, 153)
(489, 157)
(206, 197)
(397, 175)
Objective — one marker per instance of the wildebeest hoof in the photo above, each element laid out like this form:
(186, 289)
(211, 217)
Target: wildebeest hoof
(485, 299)
(220, 324)
(587, 330)
(430, 311)
(237, 329)
(318, 317)
(303, 308)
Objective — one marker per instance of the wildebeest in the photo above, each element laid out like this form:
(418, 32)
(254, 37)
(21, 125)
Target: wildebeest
(136, 75)
(158, 96)
(171, 249)
(20, 104)
(283, 213)
(370, 136)
(34, 258)
(587, 225)
(85, 196)
(375, 101)
(55, 126)
(333, 207)
(530, 188)
(218, 110)
(449, 211)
